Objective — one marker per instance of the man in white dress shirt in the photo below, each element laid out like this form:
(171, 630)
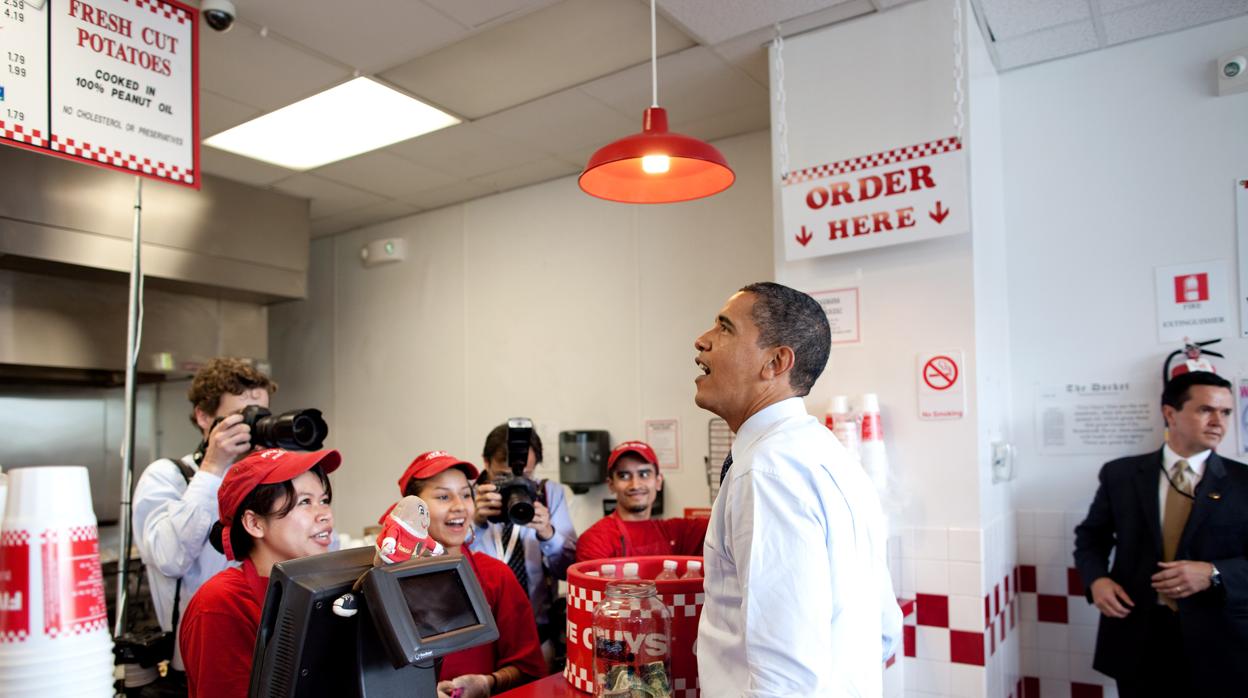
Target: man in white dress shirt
(798, 596)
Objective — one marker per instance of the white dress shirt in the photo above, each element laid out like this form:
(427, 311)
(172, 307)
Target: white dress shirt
(798, 596)
(541, 557)
(1168, 459)
(171, 523)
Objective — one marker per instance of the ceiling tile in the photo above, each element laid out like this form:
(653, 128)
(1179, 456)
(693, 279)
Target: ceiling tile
(563, 121)
(218, 113)
(368, 36)
(693, 84)
(1161, 17)
(479, 14)
(1109, 6)
(239, 168)
(536, 55)
(754, 117)
(261, 72)
(1013, 18)
(384, 173)
(528, 173)
(465, 151)
(1046, 45)
(327, 197)
(455, 193)
(360, 217)
(749, 51)
(713, 21)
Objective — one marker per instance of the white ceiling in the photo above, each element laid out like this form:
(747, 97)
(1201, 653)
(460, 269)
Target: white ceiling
(541, 84)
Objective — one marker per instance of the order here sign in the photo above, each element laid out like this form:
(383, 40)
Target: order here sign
(906, 194)
(112, 83)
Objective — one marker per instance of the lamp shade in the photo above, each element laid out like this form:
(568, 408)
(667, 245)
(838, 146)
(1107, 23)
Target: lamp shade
(678, 168)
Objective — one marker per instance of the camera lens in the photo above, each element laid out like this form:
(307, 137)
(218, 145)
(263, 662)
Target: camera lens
(519, 505)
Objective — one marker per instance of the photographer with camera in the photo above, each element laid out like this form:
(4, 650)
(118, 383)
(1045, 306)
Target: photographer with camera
(175, 503)
(523, 523)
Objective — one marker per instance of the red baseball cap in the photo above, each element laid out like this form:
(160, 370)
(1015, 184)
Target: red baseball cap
(265, 468)
(639, 448)
(431, 463)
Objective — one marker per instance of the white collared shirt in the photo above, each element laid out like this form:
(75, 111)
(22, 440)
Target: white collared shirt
(798, 596)
(1168, 459)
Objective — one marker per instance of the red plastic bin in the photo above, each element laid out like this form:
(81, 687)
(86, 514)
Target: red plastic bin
(683, 598)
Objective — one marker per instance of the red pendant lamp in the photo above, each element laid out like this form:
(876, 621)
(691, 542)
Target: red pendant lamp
(656, 166)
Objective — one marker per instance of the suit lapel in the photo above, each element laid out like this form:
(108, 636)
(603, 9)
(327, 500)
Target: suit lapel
(1146, 484)
(1214, 482)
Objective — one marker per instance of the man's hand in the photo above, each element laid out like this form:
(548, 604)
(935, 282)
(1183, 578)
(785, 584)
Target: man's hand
(1182, 578)
(541, 522)
(489, 503)
(1110, 597)
(228, 441)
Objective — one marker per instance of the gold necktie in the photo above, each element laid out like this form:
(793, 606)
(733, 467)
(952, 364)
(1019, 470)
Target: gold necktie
(1178, 508)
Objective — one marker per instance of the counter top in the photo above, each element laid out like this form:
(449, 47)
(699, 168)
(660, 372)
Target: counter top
(553, 686)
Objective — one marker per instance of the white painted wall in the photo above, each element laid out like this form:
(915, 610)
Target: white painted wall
(1116, 162)
(540, 302)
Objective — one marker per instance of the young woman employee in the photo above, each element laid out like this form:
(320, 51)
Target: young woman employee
(274, 506)
(515, 658)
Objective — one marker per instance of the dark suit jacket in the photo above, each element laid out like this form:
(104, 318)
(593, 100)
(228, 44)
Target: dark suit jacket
(1125, 518)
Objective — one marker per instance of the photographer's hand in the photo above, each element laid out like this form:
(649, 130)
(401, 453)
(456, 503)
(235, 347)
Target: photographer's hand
(489, 503)
(541, 522)
(229, 441)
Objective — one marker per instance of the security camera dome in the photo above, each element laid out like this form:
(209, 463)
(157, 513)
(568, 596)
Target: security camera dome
(218, 14)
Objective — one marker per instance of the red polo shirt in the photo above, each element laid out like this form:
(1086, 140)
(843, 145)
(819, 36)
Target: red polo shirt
(615, 537)
(517, 642)
(218, 633)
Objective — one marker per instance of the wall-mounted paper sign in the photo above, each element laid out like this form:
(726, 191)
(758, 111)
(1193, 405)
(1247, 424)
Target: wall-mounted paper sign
(941, 381)
(1107, 418)
(1193, 301)
(663, 435)
(842, 308)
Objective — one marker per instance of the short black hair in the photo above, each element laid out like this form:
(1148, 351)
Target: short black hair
(789, 318)
(264, 500)
(496, 444)
(1179, 389)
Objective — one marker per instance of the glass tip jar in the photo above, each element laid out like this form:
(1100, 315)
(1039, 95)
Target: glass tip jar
(632, 642)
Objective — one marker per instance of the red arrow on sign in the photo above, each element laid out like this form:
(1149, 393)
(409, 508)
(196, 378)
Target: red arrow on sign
(939, 214)
(805, 237)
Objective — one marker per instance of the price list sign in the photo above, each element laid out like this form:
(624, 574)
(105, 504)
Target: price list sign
(113, 83)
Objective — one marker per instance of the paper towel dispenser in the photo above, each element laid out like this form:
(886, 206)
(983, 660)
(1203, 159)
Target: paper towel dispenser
(583, 458)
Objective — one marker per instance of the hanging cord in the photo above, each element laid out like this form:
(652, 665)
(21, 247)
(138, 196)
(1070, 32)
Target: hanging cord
(959, 97)
(782, 123)
(654, 58)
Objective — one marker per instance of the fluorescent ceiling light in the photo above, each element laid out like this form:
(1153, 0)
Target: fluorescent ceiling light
(352, 118)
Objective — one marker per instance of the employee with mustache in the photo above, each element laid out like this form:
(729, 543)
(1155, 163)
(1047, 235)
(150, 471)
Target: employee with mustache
(1174, 603)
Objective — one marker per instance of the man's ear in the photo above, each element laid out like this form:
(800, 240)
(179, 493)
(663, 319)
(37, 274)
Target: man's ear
(780, 361)
(658, 481)
(204, 420)
(1167, 414)
(254, 524)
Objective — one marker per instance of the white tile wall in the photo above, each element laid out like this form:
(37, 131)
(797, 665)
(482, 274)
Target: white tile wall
(967, 681)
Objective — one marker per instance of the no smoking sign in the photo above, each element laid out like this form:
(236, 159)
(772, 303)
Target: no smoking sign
(941, 395)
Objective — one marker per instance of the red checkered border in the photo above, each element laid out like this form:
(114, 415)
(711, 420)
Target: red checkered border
(18, 132)
(866, 162)
(131, 162)
(169, 11)
(15, 537)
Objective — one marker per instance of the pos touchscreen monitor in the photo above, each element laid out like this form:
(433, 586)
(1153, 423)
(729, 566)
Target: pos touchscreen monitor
(426, 608)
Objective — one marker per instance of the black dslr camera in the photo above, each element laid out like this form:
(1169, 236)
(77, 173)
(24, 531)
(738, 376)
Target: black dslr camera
(518, 491)
(296, 430)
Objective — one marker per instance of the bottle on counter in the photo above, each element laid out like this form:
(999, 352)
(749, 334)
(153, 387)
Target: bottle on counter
(632, 641)
(669, 571)
(608, 571)
(843, 425)
(873, 456)
(693, 570)
(630, 570)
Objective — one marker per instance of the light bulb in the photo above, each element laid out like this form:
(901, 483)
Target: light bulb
(655, 164)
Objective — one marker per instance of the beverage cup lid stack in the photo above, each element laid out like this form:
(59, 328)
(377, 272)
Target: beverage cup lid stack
(870, 402)
(839, 404)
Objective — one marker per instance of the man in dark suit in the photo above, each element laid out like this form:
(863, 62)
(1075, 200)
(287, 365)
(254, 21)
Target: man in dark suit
(1174, 604)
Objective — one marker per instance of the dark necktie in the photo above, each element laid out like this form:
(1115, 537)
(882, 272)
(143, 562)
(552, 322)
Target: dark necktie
(516, 560)
(724, 473)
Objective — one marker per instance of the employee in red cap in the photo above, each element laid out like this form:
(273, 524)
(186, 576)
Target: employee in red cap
(633, 476)
(444, 482)
(274, 506)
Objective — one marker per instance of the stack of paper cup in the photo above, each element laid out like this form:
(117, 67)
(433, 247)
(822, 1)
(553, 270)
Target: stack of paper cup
(54, 637)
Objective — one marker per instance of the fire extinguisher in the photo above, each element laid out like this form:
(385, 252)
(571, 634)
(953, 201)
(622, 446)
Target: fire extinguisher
(1195, 352)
